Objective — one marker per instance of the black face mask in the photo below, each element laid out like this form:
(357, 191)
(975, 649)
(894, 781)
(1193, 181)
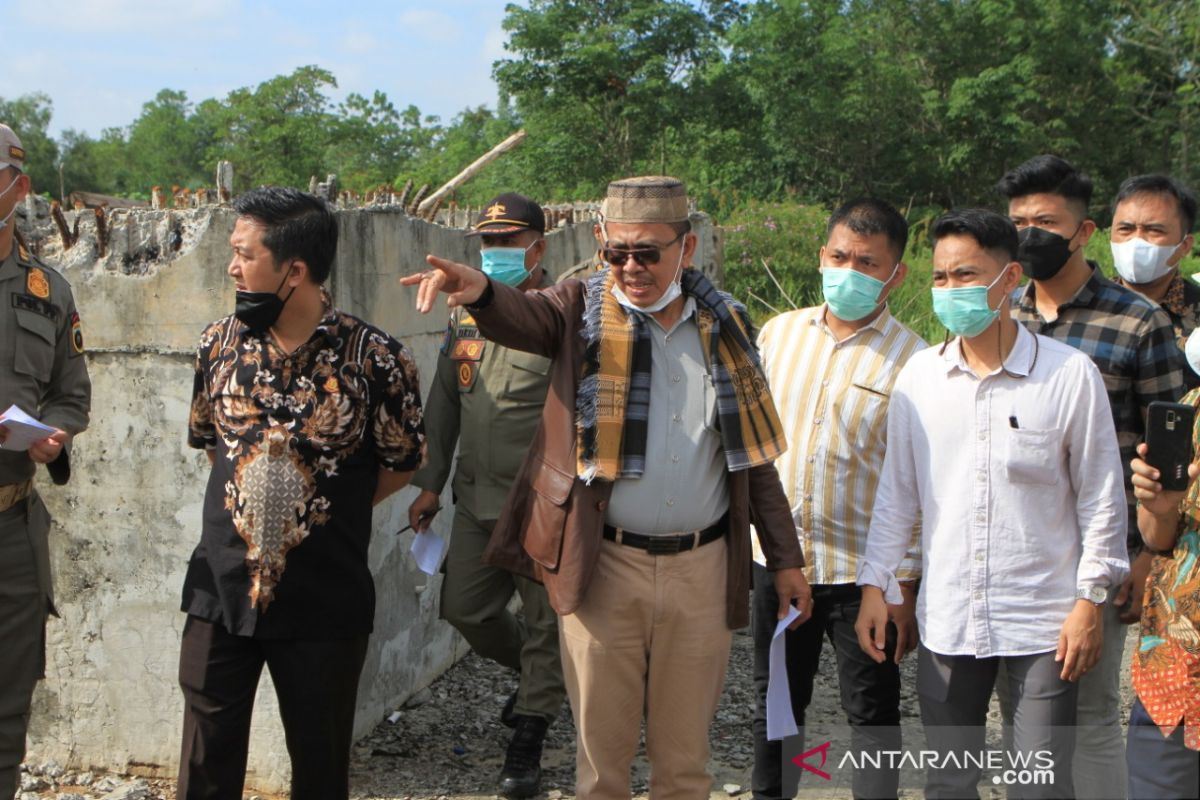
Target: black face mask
(259, 310)
(1043, 253)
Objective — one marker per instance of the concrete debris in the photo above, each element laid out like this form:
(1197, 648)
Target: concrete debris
(136, 790)
(419, 699)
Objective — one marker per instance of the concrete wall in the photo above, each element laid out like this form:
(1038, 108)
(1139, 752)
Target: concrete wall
(127, 522)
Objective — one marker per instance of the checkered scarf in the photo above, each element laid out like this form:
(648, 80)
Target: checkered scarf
(612, 401)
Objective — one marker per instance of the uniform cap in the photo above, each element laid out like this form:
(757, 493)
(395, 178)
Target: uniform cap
(509, 213)
(11, 152)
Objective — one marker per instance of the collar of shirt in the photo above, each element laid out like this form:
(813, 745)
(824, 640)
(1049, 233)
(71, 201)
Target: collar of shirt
(1027, 299)
(9, 268)
(1020, 359)
(326, 328)
(878, 325)
(689, 309)
(1175, 300)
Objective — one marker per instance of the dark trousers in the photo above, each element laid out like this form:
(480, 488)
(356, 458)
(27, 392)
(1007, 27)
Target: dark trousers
(955, 692)
(1160, 766)
(23, 610)
(870, 692)
(316, 683)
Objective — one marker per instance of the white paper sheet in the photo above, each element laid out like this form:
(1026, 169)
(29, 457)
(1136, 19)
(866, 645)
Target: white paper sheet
(428, 548)
(780, 720)
(23, 430)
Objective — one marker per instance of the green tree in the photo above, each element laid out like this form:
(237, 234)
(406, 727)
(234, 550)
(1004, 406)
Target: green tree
(278, 132)
(29, 116)
(1157, 67)
(165, 146)
(375, 143)
(601, 85)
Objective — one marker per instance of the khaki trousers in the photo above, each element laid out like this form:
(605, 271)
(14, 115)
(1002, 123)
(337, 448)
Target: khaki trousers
(650, 637)
(475, 599)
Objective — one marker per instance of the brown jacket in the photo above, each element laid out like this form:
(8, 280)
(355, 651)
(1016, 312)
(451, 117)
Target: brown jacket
(551, 525)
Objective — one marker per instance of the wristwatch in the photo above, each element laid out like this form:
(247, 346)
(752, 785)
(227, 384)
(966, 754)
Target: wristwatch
(1093, 594)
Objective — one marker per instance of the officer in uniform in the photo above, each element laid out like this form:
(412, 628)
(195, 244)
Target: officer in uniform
(488, 399)
(42, 370)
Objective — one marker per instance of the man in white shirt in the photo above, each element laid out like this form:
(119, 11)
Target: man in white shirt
(1002, 444)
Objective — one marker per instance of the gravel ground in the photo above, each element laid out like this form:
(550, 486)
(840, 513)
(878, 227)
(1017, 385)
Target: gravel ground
(448, 742)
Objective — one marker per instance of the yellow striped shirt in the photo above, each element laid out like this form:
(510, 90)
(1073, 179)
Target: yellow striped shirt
(832, 398)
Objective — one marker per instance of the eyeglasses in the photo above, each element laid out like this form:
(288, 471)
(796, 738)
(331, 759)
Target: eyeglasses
(645, 256)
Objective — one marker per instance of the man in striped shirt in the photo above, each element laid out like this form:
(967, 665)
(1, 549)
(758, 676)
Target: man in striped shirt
(831, 369)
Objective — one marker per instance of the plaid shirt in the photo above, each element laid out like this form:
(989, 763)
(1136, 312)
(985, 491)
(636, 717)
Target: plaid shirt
(1131, 341)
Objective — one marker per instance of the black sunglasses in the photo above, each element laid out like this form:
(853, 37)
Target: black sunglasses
(646, 256)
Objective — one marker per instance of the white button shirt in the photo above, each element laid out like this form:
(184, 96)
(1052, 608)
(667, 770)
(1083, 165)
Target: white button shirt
(1018, 484)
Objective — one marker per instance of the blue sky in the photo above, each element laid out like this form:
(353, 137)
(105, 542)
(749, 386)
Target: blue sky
(100, 60)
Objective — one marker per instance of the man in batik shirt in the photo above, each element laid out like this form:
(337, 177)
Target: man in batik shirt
(1163, 749)
(309, 417)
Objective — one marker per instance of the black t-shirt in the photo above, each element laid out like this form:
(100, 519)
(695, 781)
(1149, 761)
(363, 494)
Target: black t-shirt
(299, 439)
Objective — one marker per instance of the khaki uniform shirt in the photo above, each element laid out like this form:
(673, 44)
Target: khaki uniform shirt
(488, 400)
(42, 368)
(43, 371)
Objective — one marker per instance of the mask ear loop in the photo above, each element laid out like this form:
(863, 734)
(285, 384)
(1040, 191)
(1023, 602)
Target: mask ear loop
(1000, 350)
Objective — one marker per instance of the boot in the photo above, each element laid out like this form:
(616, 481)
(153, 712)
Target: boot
(522, 773)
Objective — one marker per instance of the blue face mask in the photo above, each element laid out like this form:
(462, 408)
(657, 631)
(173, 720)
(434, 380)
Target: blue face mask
(850, 294)
(506, 264)
(964, 310)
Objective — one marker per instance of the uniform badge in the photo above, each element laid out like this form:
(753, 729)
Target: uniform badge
(331, 385)
(467, 372)
(76, 332)
(468, 349)
(37, 284)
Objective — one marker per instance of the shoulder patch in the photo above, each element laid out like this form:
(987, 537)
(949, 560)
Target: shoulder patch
(76, 333)
(37, 284)
(36, 305)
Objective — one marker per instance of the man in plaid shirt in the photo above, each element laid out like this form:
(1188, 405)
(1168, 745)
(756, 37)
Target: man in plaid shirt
(1131, 341)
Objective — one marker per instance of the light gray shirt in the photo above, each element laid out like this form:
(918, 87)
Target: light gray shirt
(684, 486)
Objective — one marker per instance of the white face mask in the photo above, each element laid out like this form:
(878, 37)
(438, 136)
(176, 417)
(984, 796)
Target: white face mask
(1139, 261)
(8, 216)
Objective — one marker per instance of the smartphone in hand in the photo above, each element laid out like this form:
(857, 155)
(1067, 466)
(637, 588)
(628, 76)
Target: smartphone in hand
(1169, 442)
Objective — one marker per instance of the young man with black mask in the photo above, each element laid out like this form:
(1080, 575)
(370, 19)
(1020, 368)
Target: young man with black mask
(309, 417)
(1131, 341)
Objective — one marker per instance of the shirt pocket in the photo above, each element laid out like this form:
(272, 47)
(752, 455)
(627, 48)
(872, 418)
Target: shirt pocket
(710, 405)
(861, 415)
(528, 378)
(1033, 456)
(34, 346)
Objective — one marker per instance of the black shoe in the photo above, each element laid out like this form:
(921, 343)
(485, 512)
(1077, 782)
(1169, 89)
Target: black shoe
(507, 717)
(522, 773)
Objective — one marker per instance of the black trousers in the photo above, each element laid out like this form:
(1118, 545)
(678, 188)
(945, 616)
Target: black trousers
(870, 692)
(316, 682)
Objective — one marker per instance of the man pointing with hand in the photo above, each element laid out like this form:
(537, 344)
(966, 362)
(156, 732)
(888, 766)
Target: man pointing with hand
(634, 503)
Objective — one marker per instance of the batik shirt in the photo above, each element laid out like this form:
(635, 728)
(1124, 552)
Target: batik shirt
(1166, 667)
(299, 440)
(1182, 304)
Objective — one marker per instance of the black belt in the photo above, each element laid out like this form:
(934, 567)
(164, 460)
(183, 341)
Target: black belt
(666, 545)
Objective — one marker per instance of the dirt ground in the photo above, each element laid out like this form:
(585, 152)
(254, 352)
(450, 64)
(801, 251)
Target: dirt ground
(449, 743)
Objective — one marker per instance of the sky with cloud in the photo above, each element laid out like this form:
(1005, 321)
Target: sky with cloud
(100, 60)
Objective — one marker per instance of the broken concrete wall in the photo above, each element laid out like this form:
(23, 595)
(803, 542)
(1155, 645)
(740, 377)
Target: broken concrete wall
(127, 522)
